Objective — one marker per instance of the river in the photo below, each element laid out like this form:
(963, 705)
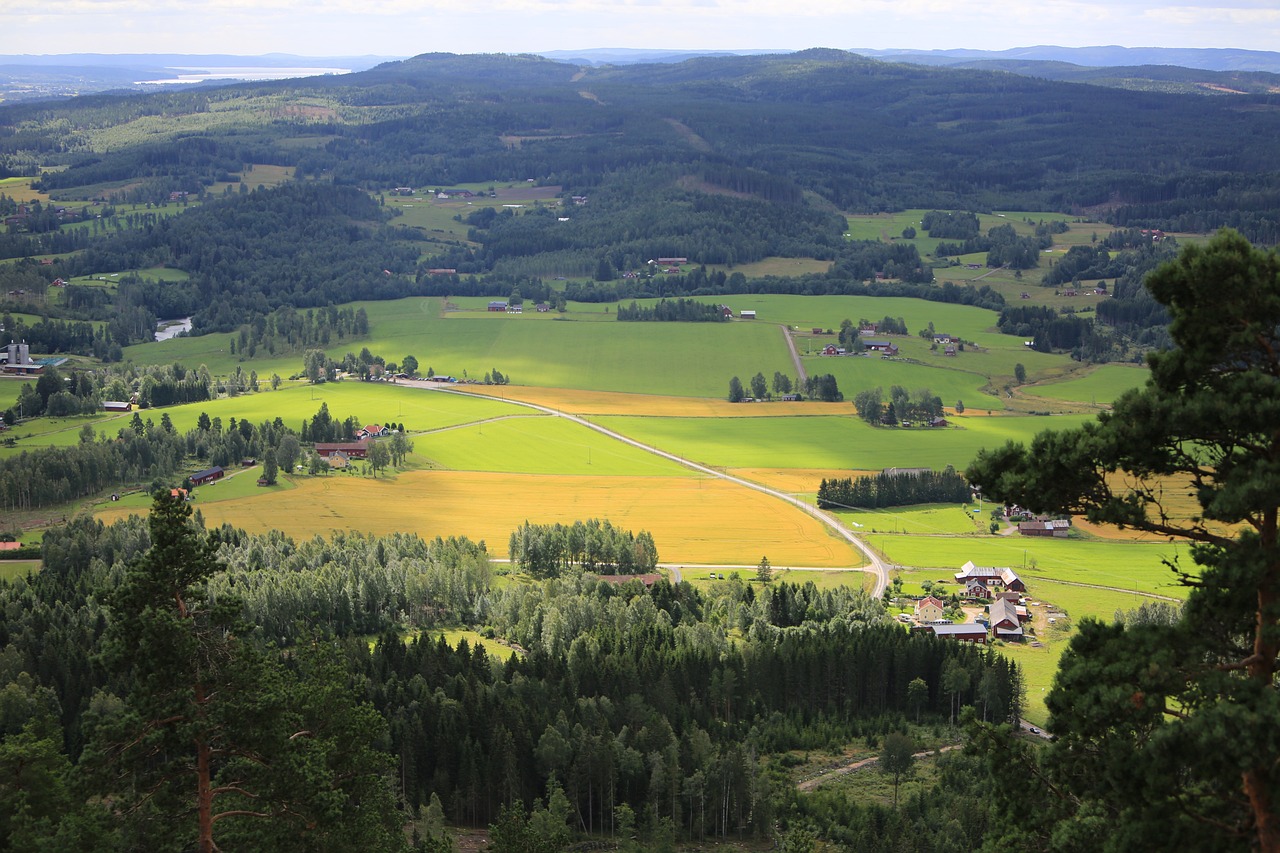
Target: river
(166, 329)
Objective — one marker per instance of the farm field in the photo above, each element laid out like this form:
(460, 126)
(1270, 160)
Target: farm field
(1101, 385)
(693, 520)
(929, 520)
(530, 443)
(1122, 565)
(592, 403)
(831, 442)
(546, 350)
(418, 409)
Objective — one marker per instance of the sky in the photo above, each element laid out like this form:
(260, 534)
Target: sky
(411, 27)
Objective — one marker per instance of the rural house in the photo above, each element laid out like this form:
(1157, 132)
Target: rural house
(1004, 621)
(929, 609)
(1058, 527)
(886, 347)
(981, 581)
(353, 449)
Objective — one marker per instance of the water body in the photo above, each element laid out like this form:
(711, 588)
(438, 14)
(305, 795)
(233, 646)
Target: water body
(247, 72)
(166, 329)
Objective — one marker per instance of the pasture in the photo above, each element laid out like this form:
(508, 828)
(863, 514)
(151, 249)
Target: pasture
(1099, 386)
(531, 443)
(694, 520)
(1124, 566)
(831, 442)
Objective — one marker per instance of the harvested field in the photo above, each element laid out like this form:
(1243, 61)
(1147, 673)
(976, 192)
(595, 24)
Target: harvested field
(693, 520)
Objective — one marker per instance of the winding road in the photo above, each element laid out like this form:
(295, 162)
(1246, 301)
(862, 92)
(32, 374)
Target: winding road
(875, 565)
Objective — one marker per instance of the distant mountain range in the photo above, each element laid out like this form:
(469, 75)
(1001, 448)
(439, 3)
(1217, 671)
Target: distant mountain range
(1209, 59)
(40, 77)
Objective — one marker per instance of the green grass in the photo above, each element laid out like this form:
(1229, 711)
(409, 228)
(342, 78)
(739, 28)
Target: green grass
(684, 359)
(14, 569)
(930, 519)
(830, 441)
(540, 444)
(587, 349)
(1123, 565)
(1102, 385)
(369, 402)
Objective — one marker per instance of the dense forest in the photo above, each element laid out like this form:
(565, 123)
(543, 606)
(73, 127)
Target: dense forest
(607, 697)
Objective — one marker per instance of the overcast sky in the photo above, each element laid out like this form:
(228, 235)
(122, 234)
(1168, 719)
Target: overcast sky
(410, 27)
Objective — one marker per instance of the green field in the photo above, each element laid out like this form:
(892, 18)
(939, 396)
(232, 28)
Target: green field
(549, 350)
(930, 519)
(1102, 385)
(585, 348)
(541, 444)
(1120, 565)
(830, 442)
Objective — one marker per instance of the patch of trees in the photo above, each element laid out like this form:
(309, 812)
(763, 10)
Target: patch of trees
(679, 310)
(1048, 329)
(824, 388)
(894, 489)
(903, 405)
(1004, 247)
(951, 225)
(549, 550)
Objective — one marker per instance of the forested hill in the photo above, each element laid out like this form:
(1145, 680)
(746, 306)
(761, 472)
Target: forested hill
(857, 134)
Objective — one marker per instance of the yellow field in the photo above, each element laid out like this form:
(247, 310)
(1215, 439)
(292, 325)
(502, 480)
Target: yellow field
(610, 403)
(693, 520)
(796, 481)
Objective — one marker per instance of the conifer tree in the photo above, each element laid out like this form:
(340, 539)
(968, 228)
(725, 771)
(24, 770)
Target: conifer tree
(1166, 731)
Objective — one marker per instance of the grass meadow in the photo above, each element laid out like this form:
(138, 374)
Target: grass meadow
(1101, 385)
(831, 442)
(1124, 566)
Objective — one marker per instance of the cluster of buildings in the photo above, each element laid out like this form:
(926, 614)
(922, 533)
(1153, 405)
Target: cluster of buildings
(340, 453)
(16, 359)
(1005, 617)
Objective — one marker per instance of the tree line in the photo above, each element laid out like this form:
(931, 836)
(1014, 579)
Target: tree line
(894, 488)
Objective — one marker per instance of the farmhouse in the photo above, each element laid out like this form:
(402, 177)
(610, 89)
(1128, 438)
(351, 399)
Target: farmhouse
(1004, 620)
(515, 309)
(543, 307)
(929, 609)
(980, 581)
(888, 347)
(353, 449)
(208, 475)
(1058, 528)
(373, 431)
(339, 460)
(832, 349)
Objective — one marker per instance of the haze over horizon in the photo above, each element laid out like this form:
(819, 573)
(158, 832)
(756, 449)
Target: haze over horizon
(411, 27)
